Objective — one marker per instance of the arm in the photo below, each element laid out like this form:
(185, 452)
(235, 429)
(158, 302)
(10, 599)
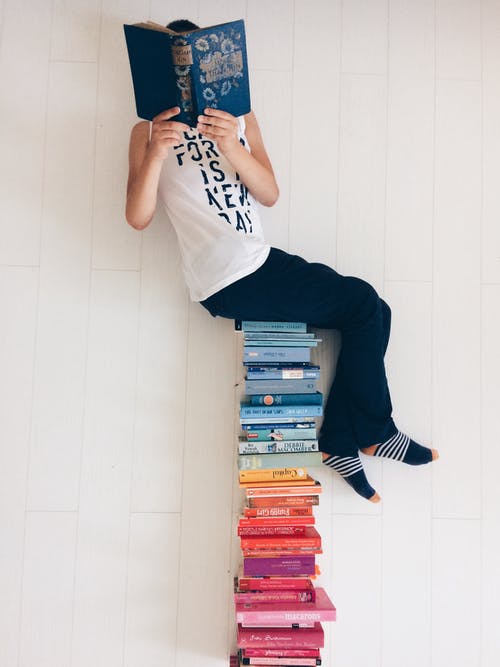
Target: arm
(145, 163)
(254, 168)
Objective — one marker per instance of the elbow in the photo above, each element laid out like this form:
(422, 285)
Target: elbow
(271, 198)
(135, 222)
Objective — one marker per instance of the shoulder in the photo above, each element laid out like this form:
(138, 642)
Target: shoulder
(140, 130)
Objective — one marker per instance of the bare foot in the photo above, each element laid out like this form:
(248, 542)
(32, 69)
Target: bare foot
(369, 451)
(375, 498)
(435, 454)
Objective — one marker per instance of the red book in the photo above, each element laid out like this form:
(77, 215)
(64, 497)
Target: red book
(246, 583)
(310, 539)
(281, 638)
(283, 531)
(274, 553)
(277, 490)
(277, 521)
(274, 512)
(286, 662)
(322, 609)
(283, 501)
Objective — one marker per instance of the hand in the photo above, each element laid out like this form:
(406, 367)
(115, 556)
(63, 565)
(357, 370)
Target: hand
(165, 133)
(220, 126)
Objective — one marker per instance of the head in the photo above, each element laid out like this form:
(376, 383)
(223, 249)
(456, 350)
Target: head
(182, 25)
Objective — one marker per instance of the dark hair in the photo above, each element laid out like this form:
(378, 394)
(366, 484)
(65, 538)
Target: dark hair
(182, 25)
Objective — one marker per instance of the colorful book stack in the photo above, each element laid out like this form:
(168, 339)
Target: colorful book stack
(279, 610)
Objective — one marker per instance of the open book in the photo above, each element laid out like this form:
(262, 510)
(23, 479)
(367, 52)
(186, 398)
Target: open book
(193, 70)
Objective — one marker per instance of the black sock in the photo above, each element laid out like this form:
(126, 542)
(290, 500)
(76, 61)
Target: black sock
(401, 447)
(351, 469)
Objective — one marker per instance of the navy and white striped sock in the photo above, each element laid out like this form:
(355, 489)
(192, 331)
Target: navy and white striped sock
(401, 447)
(351, 469)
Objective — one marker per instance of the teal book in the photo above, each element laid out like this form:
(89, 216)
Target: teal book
(271, 411)
(310, 342)
(285, 460)
(287, 399)
(254, 387)
(206, 67)
(254, 325)
(277, 434)
(277, 335)
(270, 355)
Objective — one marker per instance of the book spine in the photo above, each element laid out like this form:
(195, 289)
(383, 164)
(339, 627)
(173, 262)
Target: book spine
(272, 354)
(261, 531)
(274, 584)
(271, 475)
(280, 552)
(278, 447)
(287, 399)
(303, 638)
(277, 653)
(283, 491)
(288, 662)
(280, 335)
(282, 501)
(282, 484)
(311, 342)
(272, 411)
(269, 513)
(259, 597)
(298, 565)
(182, 58)
(282, 387)
(247, 522)
(299, 424)
(249, 325)
(248, 462)
(302, 372)
(292, 617)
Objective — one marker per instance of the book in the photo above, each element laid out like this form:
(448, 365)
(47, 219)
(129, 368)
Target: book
(283, 372)
(309, 539)
(281, 637)
(251, 325)
(278, 386)
(279, 552)
(272, 583)
(192, 70)
(277, 447)
(313, 487)
(322, 609)
(280, 653)
(275, 521)
(269, 597)
(281, 501)
(284, 485)
(268, 354)
(267, 513)
(288, 342)
(276, 420)
(276, 662)
(272, 474)
(277, 335)
(281, 529)
(272, 412)
(315, 398)
(267, 426)
(279, 565)
(297, 460)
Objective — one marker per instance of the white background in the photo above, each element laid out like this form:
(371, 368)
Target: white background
(117, 395)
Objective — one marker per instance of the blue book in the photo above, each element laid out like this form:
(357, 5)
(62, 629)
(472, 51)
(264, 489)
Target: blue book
(253, 387)
(251, 325)
(272, 411)
(300, 424)
(206, 67)
(287, 399)
(310, 342)
(282, 372)
(273, 354)
(274, 335)
(271, 435)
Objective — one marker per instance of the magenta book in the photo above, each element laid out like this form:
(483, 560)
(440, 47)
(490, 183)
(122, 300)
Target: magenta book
(279, 565)
(267, 597)
(286, 662)
(281, 638)
(280, 653)
(321, 609)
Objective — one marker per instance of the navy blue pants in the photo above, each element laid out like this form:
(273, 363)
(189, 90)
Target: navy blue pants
(288, 288)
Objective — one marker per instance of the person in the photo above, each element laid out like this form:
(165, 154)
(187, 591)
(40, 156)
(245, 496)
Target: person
(209, 178)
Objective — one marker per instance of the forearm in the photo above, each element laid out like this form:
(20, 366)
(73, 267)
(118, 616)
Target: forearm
(142, 193)
(257, 178)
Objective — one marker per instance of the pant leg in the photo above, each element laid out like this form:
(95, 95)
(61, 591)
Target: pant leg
(287, 288)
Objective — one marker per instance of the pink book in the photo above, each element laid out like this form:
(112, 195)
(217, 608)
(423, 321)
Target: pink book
(322, 609)
(275, 662)
(280, 565)
(281, 638)
(280, 653)
(278, 624)
(266, 597)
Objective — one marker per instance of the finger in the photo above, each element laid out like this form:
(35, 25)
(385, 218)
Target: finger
(168, 134)
(168, 113)
(216, 121)
(213, 130)
(175, 125)
(219, 113)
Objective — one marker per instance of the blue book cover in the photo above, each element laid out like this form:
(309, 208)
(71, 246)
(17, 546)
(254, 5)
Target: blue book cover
(271, 411)
(274, 335)
(272, 354)
(299, 424)
(282, 372)
(287, 399)
(270, 435)
(253, 325)
(199, 68)
(283, 343)
(253, 387)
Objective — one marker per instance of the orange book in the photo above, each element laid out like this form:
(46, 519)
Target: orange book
(273, 475)
(282, 502)
(276, 512)
(306, 487)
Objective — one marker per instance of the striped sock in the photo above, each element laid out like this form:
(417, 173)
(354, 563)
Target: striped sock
(351, 469)
(401, 447)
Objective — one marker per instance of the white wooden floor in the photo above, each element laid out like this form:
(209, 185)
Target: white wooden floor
(117, 396)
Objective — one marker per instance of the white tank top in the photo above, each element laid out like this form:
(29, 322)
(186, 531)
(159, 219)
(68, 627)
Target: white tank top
(215, 217)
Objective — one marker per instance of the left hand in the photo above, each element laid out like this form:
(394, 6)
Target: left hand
(220, 126)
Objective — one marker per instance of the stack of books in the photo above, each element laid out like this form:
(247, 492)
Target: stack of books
(279, 610)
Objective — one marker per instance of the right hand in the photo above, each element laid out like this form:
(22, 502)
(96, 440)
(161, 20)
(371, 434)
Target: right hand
(165, 133)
